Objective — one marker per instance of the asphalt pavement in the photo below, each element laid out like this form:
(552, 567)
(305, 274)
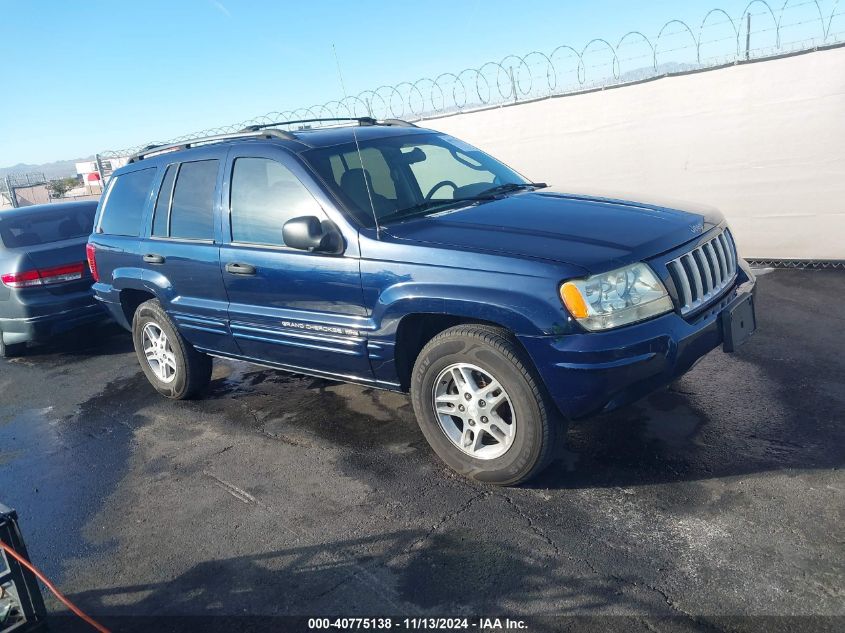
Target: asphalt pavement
(716, 504)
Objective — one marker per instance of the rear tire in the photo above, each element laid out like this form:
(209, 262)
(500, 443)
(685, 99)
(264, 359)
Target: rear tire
(169, 362)
(479, 368)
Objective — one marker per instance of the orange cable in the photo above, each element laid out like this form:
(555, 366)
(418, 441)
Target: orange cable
(99, 627)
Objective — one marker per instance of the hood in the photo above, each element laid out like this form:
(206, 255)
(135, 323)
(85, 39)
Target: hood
(594, 232)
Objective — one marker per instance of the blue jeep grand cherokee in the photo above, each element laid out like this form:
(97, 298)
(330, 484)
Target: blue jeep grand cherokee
(401, 258)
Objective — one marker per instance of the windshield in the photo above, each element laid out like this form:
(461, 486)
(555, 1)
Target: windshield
(411, 175)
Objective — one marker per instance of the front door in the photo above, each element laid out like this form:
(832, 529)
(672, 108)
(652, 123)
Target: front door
(289, 307)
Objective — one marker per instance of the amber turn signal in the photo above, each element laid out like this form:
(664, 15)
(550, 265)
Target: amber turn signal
(573, 300)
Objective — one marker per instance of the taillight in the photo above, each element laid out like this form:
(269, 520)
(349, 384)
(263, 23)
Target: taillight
(22, 280)
(91, 254)
(44, 276)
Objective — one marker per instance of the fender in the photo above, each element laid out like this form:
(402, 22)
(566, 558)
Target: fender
(528, 306)
(528, 311)
(159, 285)
(127, 278)
(518, 293)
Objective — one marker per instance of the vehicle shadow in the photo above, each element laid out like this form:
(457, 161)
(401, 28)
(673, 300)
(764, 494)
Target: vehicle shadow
(777, 404)
(407, 572)
(105, 339)
(694, 430)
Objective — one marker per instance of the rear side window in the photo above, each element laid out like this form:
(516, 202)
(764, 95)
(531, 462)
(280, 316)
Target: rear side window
(192, 210)
(125, 202)
(265, 195)
(43, 228)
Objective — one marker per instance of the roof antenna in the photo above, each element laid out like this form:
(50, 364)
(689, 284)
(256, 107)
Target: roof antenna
(358, 148)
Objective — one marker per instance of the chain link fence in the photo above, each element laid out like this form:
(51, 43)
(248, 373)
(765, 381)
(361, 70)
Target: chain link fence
(26, 189)
(11, 184)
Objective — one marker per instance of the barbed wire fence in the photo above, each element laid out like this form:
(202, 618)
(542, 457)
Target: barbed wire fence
(758, 32)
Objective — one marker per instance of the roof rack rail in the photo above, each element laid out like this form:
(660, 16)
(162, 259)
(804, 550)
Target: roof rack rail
(398, 123)
(151, 150)
(257, 131)
(361, 120)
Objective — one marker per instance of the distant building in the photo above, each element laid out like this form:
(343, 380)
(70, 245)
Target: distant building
(92, 178)
(91, 181)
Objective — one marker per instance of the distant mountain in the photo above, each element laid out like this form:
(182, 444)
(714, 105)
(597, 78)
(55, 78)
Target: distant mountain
(647, 72)
(56, 169)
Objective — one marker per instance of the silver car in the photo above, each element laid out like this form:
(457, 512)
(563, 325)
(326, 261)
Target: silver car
(45, 283)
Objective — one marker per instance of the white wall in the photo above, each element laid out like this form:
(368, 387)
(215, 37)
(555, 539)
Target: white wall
(764, 142)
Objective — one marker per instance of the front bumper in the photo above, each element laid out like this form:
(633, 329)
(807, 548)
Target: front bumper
(44, 326)
(601, 371)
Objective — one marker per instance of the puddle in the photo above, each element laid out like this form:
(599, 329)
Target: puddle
(301, 410)
(28, 429)
(57, 471)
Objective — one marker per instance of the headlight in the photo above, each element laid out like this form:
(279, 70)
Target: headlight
(620, 297)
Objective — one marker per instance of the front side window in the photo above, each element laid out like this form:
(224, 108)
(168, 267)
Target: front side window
(264, 195)
(192, 209)
(401, 176)
(124, 204)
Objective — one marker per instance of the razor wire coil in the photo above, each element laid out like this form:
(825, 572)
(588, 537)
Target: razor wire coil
(567, 69)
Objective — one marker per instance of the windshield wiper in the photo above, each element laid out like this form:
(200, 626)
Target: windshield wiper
(423, 208)
(426, 206)
(508, 187)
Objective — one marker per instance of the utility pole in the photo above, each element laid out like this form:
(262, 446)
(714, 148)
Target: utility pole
(99, 164)
(513, 84)
(748, 36)
(13, 200)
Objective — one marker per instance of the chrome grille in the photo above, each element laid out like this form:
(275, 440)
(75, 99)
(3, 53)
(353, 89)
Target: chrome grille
(702, 274)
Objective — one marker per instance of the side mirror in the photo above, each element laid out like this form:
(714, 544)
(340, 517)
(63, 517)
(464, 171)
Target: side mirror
(307, 233)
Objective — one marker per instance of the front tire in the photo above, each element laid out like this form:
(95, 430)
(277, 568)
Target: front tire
(481, 406)
(169, 362)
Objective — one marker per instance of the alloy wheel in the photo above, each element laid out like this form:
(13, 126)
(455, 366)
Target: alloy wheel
(159, 353)
(474, 411)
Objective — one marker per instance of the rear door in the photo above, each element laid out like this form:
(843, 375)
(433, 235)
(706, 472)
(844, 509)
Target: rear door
(181, 250)
(299, 309)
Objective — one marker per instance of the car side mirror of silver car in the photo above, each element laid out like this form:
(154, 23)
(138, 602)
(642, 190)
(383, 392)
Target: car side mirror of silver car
(308, 233)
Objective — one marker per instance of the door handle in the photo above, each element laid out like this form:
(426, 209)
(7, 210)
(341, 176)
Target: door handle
(154, 259)
(240, 269)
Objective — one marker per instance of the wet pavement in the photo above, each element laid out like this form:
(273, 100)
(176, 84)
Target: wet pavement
(280, 494)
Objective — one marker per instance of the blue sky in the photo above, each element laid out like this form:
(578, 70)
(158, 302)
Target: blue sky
(80, 77)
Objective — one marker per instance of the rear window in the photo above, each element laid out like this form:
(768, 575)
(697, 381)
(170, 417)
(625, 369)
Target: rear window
(125, 201)
(46, 227)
